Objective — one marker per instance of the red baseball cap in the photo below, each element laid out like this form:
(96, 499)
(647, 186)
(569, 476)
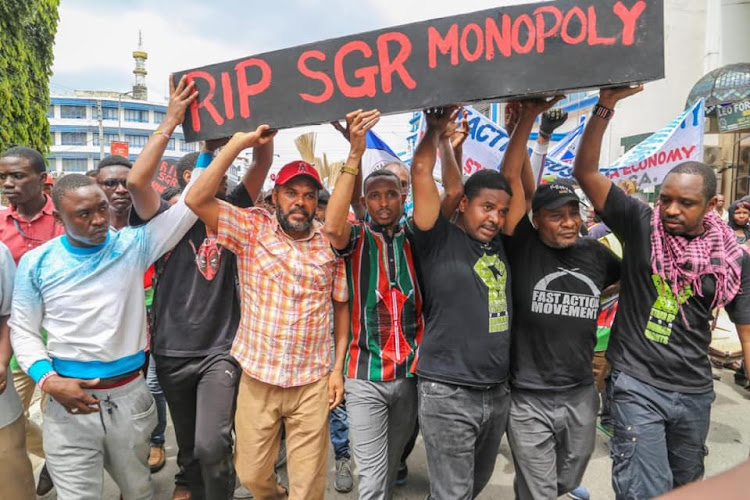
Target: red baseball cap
(295, 169)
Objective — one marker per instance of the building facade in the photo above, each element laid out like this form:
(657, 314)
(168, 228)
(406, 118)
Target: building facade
(81, 137)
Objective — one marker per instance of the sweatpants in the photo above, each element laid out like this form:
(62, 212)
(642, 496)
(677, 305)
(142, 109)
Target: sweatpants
(551, 435)
(201, 394)
(80, 447)
(381, 421)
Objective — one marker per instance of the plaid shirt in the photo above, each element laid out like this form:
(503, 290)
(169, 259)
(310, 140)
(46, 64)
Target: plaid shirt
(286, 286)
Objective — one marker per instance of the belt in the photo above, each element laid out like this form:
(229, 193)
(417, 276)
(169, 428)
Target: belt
(117, 381)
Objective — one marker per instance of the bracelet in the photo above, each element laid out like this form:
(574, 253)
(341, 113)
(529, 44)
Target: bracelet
(162, 133)
(44, 379)
(349, 170)
(603, 112)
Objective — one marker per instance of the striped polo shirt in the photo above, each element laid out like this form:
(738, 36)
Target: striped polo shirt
(384, 301)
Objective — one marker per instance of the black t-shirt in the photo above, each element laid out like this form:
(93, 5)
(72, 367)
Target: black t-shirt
(196, 308)
(650, 340)
(467, 307)
(555, 306)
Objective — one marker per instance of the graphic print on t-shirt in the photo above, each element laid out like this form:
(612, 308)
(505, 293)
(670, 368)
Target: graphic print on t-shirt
(665, 310)
(558, 303)
(208, 257)
(492, 272)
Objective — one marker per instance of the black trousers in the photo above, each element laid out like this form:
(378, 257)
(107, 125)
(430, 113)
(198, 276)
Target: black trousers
(202, 395)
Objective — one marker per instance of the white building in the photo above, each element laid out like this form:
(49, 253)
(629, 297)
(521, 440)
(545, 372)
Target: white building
(75, 128)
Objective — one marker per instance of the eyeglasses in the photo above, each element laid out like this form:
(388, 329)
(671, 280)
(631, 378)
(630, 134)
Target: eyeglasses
(113, 183)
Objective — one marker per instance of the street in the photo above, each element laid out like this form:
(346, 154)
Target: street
(728, 443)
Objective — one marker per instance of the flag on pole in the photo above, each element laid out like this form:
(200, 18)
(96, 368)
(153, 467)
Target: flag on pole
(377, 155)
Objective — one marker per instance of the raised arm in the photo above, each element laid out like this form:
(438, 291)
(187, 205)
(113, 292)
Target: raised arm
(586, 163)
(517, 155)
(201, 198)
(450, 163)
(356, 202)
(146, 200)
(551, 119)
(337, 228)
(426, 196)
(258, 171)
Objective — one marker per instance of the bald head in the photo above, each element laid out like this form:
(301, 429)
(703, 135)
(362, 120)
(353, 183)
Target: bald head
(402, 172)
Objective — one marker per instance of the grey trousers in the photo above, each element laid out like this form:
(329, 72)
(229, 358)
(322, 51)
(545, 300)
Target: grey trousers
(381, 421)
(79, 448)
(462, 428)
(552, 436)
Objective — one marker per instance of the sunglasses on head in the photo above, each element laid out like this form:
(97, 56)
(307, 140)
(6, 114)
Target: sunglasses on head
(113, 183)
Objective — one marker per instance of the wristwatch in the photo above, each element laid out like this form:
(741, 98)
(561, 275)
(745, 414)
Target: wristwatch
(603, 112)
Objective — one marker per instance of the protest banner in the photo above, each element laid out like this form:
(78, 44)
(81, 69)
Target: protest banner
(484, 147)
(499, 53)
(565, 149)
(649, 162)
(166, 176)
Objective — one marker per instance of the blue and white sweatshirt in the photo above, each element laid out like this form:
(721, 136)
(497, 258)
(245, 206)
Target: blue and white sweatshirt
(90, 300)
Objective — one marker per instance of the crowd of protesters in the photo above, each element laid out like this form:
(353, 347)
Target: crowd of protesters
(285, 320)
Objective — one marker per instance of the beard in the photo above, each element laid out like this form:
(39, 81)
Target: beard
(293, 227)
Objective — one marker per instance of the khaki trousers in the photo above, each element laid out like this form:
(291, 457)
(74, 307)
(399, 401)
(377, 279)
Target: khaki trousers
(261, 409)
(16, 475)
(25, 388)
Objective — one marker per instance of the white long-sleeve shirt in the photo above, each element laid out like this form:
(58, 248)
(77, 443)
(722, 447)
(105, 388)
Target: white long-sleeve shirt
(90, 299)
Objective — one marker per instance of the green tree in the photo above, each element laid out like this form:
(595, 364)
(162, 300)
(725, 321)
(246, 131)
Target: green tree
(27, 37)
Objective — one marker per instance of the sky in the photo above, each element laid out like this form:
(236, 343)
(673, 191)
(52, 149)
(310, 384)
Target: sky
(95, 41)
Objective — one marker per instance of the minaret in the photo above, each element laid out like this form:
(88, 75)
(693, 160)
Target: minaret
(139, 87)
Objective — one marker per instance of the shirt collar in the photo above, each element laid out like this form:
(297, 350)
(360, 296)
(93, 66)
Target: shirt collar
(376, 228)
(47, 209)
(83, 250)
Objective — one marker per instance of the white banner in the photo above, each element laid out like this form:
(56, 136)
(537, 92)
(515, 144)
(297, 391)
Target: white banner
(484, 148)
(649, 162)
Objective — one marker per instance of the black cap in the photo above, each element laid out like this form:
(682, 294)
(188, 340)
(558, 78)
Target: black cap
(552, 196)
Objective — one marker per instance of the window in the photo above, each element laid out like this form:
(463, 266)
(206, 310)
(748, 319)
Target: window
(73, 138)
(136, 115)
(170, 144)
(136, 141)
(108, 138)
(159, 116)
(50, 111)
(109, 114)
(73, 112)
(75, 164)
(187, 147)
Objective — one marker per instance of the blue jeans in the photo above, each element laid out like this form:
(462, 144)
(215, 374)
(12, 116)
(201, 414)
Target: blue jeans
(659, 439)
(157, 436)
(339, 428)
